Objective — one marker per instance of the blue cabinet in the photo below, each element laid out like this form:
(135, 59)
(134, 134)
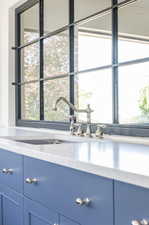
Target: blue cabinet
(36, 214)
(11, 207)
(58, 188)
(41, 193)
(131, 203)
(12, 166)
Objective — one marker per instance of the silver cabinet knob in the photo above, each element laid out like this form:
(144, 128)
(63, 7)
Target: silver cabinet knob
(136, 222)
(80, 201)
(7, 171)
(31, 180)
(142, 222)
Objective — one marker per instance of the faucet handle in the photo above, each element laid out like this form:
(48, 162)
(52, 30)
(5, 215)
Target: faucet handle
(100, 131)
(72, 124)
(80, 131)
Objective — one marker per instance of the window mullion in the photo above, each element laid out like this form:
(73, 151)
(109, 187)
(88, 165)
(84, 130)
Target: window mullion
(71, 52)
(18, 67)
(41, 18)
(115, 61)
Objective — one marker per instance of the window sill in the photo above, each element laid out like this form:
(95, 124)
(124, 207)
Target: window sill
(113, 129)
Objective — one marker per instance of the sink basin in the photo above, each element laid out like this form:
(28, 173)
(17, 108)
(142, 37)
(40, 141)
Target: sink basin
(44, 141)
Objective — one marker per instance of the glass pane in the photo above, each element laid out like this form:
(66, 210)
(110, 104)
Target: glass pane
(53, 89)
(94, 43)
(134, 31)
(134, 93)
(56, 14)
(30, 24)
(84, 8)
(30, 101)
(30, 63)
(120, 1)
(56, 54)
(95, 88)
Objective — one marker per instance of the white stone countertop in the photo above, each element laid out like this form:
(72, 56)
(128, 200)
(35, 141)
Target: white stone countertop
(117, 157)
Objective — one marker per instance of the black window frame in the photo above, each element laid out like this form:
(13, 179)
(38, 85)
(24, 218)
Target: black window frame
(115, 127)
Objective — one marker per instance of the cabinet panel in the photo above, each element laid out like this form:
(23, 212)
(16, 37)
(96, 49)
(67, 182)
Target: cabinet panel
(66, 221)
(36, 214)
(11, 207)
(58, 188)
(14, 162)
(131, 203)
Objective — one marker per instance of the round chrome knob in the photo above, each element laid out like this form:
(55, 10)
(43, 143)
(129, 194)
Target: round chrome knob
(31, 180)
(80, 201)
(136, 222)
(144, 222)
(7, 171)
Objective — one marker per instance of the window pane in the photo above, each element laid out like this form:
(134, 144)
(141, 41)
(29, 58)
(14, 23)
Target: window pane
(56, 14)
(134, 93)
(120, 1)
(95, 88)
(133, 31)
(30, 101)
(30, 63)
(30, 24)
(53, 89)
(84, 8)
(56, 54)
(94, 43)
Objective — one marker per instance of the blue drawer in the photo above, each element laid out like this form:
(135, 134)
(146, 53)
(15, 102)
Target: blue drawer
(11, 161)
(58, 187)
(131, 203)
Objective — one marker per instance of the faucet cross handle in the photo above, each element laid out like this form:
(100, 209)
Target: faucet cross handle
(100, 131)
(72, 124)
(80, 131)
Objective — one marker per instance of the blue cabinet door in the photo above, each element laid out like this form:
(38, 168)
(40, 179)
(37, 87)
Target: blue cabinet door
(11, 207)
(66, 221)
(58, 188)
(131, 203)
(9, 160)
(36, 214)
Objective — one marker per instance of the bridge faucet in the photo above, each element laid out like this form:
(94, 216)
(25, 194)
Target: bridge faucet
(88, 111)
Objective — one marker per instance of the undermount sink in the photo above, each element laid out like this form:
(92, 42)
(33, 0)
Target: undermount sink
(45, 141)
(53, 140)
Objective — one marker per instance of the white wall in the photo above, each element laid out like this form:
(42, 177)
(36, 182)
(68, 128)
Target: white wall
(7, 63)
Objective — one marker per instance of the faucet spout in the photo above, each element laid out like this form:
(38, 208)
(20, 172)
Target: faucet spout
(88, 110)
(66, 101)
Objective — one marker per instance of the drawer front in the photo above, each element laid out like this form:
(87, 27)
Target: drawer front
(58, 188)
(11, 170)
(131, 203)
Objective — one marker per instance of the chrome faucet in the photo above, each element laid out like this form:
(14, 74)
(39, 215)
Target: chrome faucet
(88, 111)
